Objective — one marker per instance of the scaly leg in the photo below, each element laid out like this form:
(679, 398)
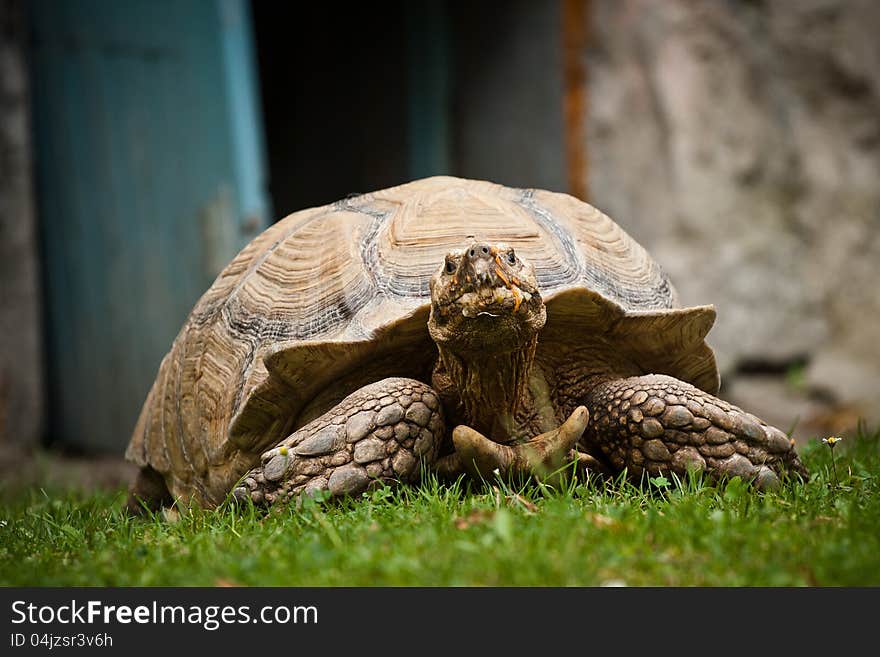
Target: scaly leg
(656, 423)
(377, 434)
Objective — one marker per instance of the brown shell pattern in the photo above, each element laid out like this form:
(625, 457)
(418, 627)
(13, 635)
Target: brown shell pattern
(328, 288)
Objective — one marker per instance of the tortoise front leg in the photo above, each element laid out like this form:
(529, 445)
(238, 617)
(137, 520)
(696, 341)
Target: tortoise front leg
(656, 423)
(377, 434)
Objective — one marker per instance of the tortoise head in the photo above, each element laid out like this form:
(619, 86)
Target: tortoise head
(485, 298)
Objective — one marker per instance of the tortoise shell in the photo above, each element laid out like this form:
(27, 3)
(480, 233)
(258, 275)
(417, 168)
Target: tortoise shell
(344, 286)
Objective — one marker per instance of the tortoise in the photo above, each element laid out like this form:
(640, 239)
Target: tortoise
(450, 325)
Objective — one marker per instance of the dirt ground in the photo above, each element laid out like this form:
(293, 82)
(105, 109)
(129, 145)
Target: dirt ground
(20, 470)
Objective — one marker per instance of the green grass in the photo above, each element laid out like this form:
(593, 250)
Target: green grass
(822, 532)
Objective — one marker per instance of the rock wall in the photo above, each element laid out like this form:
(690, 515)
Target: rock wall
(21, 374)
(740, 142)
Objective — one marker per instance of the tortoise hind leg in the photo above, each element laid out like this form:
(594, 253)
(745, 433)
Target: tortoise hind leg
(148, 492)
(379, 433)
(656, 423)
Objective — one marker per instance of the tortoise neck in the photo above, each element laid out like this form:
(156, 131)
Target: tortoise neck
(490, 385)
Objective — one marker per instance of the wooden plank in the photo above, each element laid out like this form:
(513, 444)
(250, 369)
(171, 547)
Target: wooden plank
(575, 32)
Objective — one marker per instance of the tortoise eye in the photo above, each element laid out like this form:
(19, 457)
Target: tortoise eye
(450, 267)
(511, 257)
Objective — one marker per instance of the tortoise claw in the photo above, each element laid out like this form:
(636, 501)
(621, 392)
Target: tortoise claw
(541, 456)
(478, 455)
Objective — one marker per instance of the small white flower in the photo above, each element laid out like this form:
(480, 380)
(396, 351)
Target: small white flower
(496, 472)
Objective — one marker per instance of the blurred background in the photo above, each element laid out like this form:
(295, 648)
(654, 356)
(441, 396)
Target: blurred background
(144, 142)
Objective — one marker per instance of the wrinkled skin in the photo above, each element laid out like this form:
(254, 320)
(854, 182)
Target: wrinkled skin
(486, 315)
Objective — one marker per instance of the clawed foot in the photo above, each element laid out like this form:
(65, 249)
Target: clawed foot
(654, 424)
(542, 457)
(378, 434)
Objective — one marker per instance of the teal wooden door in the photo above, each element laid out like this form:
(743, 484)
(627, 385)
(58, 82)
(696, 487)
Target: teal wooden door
(150, 178)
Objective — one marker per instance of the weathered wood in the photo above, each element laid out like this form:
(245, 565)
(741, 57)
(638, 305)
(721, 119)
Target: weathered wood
(140, 198)
(575, 40)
